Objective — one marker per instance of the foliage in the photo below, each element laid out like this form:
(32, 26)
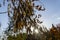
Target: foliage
(17, 37)
(44, 34)
(34, 36)
(22, 14)
(54, 33)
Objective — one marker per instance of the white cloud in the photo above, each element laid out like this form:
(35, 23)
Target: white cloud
(58, 18)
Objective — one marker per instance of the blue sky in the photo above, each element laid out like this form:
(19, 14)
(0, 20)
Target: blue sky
(52, 13)
(3, 17)
(50, 16)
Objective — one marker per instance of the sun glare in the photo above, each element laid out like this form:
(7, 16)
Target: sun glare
(32, 28)
(36, 30)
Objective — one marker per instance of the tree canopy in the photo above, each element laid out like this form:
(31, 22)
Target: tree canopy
(21, 14)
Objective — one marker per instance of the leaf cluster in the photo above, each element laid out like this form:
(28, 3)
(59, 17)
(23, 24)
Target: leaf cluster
(22, 14)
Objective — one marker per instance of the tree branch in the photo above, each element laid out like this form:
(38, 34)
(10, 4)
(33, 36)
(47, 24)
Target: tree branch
(3, 12)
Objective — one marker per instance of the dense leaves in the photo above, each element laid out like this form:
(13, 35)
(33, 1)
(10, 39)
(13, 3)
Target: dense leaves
(22, 14)
(55, 32)
(18, 37)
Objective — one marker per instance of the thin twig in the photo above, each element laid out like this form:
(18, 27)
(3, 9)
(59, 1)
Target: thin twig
(3, 12)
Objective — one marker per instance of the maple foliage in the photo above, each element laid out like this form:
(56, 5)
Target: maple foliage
(22, 14)
(54, 33)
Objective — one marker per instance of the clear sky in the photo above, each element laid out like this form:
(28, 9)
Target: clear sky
(52, 13)
(50, 16)
(3, 17)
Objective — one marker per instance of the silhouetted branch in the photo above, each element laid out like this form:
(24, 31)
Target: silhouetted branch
(3, 12)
